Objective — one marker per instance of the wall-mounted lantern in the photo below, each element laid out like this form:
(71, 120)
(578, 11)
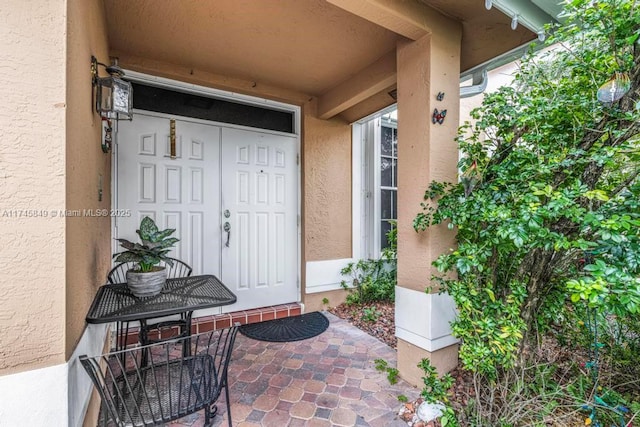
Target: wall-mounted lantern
(114, 96)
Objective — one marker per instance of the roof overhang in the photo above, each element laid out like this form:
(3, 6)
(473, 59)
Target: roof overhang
(341, 52)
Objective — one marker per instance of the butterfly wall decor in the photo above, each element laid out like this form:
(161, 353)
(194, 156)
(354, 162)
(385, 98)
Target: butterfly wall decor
(438, 116)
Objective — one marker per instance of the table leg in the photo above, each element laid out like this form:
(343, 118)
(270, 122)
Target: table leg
(122, 332)
(186, 348)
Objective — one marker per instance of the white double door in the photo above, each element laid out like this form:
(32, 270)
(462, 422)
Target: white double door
(230, 194)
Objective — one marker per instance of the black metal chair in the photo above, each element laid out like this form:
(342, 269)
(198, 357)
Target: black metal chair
(118, 274)
(163, 385)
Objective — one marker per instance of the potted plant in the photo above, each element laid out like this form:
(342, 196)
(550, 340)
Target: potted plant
(148, 278)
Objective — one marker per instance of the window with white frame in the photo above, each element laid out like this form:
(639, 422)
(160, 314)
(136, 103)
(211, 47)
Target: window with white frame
(379, 180)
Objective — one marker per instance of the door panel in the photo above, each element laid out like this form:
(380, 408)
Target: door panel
(181, 193)
(259, 190)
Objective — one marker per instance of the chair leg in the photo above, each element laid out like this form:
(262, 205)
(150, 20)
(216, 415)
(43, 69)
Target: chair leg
(210, 413)
(207, 416)
(226, 393)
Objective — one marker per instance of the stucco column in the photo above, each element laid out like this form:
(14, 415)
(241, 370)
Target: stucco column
(426, 152)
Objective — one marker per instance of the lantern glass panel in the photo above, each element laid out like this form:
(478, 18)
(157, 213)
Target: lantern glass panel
(114, 98)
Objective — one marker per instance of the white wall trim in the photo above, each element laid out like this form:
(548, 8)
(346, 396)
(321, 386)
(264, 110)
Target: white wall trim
(52, 396)
(423, 319)
(325, 276)
(356, 190)
(80, 386)
(37, 397)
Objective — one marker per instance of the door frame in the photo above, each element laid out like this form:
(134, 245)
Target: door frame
(219, 94)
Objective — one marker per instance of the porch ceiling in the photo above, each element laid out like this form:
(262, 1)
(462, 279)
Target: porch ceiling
(310, 47)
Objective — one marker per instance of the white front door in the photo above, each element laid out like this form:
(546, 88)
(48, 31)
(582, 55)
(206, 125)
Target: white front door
(180, 193)
(259, 205)
(187, 193)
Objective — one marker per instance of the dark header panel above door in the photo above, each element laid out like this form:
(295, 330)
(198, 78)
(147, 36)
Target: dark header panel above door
(160, 100)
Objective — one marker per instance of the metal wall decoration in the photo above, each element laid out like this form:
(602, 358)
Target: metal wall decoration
(438, 116)
(108, 136)
(615, 88)
(440, 96)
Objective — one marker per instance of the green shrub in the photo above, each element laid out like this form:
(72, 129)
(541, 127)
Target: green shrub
(373, 280)
(370, 314)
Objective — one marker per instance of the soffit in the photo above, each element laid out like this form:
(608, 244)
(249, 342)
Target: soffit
(308, 47)
(485, 44)
(303, 45)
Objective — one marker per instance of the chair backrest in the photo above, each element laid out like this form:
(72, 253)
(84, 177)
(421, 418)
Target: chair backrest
(169, 385)
(118, 274)
(178, 269)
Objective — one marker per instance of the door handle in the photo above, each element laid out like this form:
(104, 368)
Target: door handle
(227, 228)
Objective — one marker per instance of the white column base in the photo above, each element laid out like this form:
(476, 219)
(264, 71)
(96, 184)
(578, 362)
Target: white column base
(423, 319)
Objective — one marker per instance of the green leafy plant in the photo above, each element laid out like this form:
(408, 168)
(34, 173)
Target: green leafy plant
(373, 280)
(547, 207)
(370, 314)
(392, 373)
(155, 246)
(436, 389)
(402, 398)
(325, 301)
(549, 173)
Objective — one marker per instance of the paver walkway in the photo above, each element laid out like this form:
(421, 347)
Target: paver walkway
(329, 380)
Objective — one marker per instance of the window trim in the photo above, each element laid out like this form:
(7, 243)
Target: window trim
(365, 209)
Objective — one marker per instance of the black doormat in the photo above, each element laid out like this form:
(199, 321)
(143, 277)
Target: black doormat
(294, 328)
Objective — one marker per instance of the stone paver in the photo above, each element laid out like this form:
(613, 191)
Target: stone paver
(343, 417)
(266, 402)
(326, 381)
(291, 394)
(304, 410)
(313, 386)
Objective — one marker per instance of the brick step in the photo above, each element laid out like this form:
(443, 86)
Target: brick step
(219, 321)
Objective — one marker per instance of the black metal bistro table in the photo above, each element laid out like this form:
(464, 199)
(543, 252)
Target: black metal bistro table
(183, 295)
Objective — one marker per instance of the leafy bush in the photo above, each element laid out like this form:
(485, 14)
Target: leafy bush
(549, 178)
(435, 389)
(373, 280)
(370, 314)
(547, 208)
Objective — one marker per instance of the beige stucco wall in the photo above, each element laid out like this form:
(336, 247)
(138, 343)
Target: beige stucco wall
(327, 187)
(88, 238)
(501, 76)
(426, 151)
(32, 184)
(315, 302)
